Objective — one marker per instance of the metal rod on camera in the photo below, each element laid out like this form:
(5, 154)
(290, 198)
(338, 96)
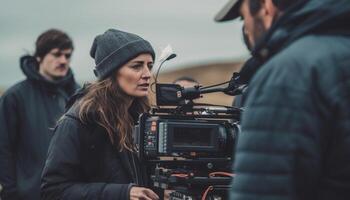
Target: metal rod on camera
(211, 90)
(195, 92)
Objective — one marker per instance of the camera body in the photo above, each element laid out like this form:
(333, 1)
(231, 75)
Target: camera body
(188, 152)
(170, 136)
(185, 147)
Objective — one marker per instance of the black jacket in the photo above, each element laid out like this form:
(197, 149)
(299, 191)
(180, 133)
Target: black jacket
(295, 141)
(82, 163)
(27, 112)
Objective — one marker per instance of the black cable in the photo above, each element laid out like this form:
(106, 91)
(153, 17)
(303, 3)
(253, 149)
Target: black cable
(160, 66)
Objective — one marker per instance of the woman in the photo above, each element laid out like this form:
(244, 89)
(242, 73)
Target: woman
(92, 154)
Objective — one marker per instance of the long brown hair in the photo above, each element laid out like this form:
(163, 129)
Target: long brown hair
(109, 105)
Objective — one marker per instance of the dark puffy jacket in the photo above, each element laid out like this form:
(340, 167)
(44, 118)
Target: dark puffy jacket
(27, 112)
(82, 163)
(295, 141)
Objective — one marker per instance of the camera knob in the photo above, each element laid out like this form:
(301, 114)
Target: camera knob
(210, 165)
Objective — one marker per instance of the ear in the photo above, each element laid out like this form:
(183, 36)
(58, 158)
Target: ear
(270, 12)
(38, 59)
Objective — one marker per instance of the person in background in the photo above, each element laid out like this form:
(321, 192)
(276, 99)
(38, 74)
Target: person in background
(29, 109)
(92, 154)
(186, 81)
(295, 140)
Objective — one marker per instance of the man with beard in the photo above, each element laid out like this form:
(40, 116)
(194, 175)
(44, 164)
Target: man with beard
(295, 140)
(28, 111)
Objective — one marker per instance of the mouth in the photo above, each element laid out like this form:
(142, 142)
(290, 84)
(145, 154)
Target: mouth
(61, 68)
(143, 86)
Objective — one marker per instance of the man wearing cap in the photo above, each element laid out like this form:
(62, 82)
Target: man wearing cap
(28, 112)
(295, 141)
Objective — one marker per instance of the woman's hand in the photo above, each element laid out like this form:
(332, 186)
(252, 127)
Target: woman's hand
(167, 194)
(137, 193)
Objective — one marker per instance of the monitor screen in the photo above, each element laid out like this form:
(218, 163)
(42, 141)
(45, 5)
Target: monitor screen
(186, 137)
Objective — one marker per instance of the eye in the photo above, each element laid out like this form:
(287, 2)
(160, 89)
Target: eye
(150, 66)
(136, 66)
(68, 55)
(57, 54)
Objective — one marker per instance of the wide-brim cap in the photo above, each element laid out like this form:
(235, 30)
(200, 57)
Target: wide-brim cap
(229, 12)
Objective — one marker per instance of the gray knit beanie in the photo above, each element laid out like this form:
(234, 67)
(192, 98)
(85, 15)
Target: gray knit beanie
(114, 48)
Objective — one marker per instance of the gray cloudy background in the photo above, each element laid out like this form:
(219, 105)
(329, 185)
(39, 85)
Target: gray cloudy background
(187, 25)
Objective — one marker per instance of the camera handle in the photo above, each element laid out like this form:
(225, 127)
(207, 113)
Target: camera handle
(234, 88)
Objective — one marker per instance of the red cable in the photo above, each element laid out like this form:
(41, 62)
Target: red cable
(204, 196)
(221, 173)
(180, 175)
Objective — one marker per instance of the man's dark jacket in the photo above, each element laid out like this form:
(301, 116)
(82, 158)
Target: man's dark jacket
(295, 141)
(28, 110)
(83, 164)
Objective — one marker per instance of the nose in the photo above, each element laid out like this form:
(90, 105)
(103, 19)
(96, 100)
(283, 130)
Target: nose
(146, 74)
(63, 59)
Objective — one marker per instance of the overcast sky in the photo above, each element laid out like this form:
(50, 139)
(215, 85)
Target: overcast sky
(187, 25)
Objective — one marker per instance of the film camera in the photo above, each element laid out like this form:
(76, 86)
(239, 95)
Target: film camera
(187, 147)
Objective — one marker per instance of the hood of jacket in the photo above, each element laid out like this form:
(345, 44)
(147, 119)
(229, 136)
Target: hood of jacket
(320, 17)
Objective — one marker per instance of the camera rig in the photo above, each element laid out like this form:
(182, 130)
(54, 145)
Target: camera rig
(187, 147)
